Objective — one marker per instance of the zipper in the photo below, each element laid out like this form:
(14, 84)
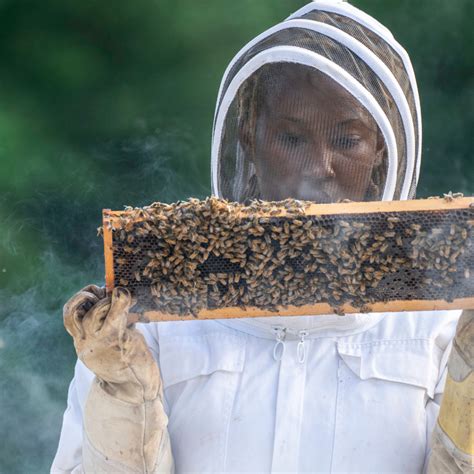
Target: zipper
(279, 347)
(301, 348)
(280, 337)
(280, 333)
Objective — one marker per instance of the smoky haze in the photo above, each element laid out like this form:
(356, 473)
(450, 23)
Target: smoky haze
(102, 110)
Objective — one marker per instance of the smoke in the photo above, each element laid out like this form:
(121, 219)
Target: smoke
(36, 364)
(154, 163)
(37, 356)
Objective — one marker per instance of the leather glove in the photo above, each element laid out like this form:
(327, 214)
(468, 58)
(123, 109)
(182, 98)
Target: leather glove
(116, 353)
(453, 438)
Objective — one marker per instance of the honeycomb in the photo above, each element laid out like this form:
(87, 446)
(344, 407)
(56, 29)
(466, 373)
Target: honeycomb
(184, 258)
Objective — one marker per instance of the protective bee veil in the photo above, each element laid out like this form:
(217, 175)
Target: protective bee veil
(323, 107)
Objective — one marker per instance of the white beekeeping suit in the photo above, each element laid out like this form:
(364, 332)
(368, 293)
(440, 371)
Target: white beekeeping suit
(323, 106)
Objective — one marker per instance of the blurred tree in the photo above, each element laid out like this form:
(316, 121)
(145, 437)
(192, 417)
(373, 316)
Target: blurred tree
(107, 104)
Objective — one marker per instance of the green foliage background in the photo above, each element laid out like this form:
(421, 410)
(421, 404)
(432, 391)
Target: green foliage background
(105, 104)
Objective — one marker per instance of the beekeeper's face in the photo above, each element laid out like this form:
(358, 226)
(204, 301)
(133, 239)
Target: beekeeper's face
(313, 140)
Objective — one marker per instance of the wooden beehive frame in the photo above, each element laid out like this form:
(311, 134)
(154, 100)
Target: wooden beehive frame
(111, 220)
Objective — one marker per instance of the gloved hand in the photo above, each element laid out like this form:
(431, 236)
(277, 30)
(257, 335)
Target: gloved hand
(453, 440)
(117, 354)
(124, 420)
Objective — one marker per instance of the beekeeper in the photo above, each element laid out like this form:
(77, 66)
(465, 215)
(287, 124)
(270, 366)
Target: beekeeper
(323, 106)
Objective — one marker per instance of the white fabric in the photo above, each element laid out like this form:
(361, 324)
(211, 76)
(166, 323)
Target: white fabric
(365, 398)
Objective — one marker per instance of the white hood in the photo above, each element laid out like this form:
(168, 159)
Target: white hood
(357, 52)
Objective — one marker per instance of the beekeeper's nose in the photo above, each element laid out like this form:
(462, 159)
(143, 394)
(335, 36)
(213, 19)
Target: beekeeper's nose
(319, 163)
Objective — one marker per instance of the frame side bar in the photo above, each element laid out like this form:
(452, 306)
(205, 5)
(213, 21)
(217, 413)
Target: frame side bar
(108, 251)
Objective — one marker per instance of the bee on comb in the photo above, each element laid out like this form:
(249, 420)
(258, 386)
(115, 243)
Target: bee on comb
(216, 259)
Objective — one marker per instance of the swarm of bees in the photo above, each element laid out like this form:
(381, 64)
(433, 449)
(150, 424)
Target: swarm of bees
(211, 254)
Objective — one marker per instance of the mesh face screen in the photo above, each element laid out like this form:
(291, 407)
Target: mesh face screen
(213, 258)
(384, 51)
(294, 132)
(280, 74)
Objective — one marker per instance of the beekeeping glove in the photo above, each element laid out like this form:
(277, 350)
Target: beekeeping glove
(453, 437)
(118, 355)
(125, 425)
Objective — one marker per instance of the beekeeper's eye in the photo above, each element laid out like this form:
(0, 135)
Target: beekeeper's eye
(346, 142)
(290, 139)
